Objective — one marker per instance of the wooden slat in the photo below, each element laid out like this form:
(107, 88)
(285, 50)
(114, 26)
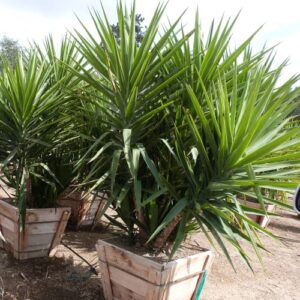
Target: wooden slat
(106, 281)
(11, 237)
(100, 196)
(45, 214)
(181, 290)
(61, 226)
(33, 254)
(206, 267)
(184, 267)
(88, 214)
(36, 246)
(120, 292)
(87, 221)
(38, 239)
(68, 202)
(263, 221)
(134, 264)
(129, 281)
(7, 223)
(99, 209)
(6, 191)
(8, 210)
(41, 228)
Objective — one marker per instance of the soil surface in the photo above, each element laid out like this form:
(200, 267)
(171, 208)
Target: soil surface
(65, 276)
(278, 277)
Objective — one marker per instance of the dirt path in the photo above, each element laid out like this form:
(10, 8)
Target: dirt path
(67, 277)
(276, 280)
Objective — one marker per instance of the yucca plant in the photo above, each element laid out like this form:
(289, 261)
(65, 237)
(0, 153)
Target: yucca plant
(180, 130)
(33, 118)
(220, 159)
(59, 58)
(130, 89)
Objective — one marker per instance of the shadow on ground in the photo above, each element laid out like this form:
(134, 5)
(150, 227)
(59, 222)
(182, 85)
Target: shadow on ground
(65, 276)
(48, 278)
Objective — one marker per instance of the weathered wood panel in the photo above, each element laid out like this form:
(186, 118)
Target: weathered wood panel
(9, 211)
(107, 287)
(42, 215)
(5, 190)
(31, 254)
(126, 275)
(119, 291)
(146, 268)
(263, 221)
(181, 290)
(128, 281)
(84, 207)
(43, 230)
(9, 237)
(183, 267)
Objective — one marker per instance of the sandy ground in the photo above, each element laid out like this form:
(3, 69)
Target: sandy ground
(65, 276)
(277, 279)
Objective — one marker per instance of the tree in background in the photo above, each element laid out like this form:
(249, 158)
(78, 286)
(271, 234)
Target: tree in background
(9, 49)
(139, 29)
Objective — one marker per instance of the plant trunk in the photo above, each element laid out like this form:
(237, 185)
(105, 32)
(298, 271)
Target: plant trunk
(29, 199)
(142, 235)
(162, 238)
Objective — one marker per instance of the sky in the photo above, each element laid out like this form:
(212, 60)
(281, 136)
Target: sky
(27, 20)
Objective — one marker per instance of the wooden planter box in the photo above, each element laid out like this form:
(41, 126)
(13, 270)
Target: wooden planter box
(84, 209)
(263, 221)
(44, 228)
(126, 275)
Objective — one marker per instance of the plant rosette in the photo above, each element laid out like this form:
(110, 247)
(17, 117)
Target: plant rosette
(34, 153)
(175, 127)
